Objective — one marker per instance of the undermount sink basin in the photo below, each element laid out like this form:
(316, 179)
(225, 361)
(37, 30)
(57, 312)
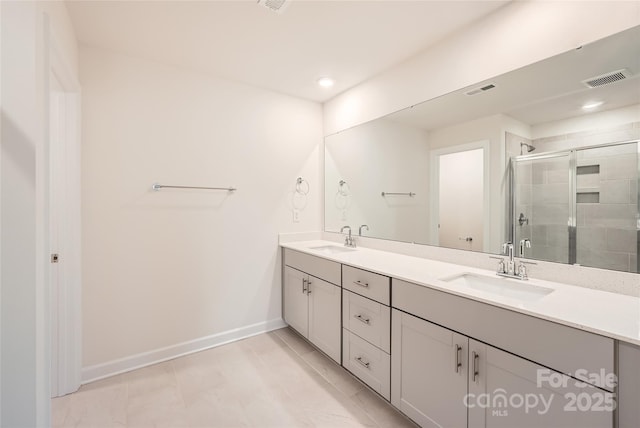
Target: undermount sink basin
(511, 288)
(331, 249)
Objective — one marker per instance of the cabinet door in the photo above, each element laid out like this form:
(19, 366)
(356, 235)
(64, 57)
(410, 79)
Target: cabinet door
(509, 391)
(628, 385)
(325, 316)
(428, 372)
(296, 310)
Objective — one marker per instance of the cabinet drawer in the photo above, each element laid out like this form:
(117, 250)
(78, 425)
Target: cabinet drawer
(367, 284)
(553, 345)
(368, 363)
(368, 319)
(314, 266)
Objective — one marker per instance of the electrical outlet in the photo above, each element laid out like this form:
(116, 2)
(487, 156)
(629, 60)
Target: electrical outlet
(296, 216)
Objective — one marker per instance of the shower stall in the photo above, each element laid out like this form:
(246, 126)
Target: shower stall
(578, 206)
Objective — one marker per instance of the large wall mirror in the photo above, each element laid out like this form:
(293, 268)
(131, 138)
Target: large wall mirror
(546, 157)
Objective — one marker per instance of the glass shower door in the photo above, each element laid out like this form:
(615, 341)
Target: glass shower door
(542, 206)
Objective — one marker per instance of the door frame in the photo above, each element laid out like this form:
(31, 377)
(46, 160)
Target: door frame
(65, 306)
(434, 205)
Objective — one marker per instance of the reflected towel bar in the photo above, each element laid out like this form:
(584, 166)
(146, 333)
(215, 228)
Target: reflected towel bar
(157, 187)
(410, 194)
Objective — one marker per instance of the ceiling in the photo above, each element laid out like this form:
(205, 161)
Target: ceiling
(546, 91)
(351, 41)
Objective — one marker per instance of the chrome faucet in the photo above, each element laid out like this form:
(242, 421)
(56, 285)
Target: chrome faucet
(507, 250)
(348, 240)
(364, 226)
(508, 268)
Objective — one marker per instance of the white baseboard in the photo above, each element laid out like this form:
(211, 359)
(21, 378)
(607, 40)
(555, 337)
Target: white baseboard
(121, 365)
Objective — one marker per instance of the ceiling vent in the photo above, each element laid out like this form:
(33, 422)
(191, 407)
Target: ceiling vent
(277, 6)
(481, 89)
(607, 78)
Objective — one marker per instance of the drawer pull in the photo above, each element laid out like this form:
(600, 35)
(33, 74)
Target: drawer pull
(476, 369)
(361, 284)
(458, 363)
(304, 285)
(362, 319)
(363, 363)
(308, 286)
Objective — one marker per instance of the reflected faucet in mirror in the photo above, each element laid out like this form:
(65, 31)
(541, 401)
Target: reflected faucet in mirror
(524, 243)
(364, 226)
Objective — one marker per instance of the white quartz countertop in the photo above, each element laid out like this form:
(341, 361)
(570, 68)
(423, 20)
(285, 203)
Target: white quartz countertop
(609, 314)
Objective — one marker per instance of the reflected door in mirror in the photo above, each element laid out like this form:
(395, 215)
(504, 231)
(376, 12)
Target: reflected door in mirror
(461, 199)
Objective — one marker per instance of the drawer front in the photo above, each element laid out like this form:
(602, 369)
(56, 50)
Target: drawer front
(315, 266)
(367, 284)
(562, 348)
(370, 364)
(368, 319)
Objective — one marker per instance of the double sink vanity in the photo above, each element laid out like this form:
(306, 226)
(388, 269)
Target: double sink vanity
(454, 346)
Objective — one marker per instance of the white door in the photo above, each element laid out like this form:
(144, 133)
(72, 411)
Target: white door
(461, 200)
(428, 372)
(324, 316)
(508, 391)
(56, 196)
(64, 239)
(296, 310)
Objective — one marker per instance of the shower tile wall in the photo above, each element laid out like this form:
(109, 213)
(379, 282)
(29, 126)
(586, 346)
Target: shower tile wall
(607, 236)
(542, 196)
(607, 229)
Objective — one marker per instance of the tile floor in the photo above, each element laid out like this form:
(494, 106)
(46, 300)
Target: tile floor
(271, 380)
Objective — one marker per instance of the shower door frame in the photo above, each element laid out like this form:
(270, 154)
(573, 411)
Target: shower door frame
(573, 207)
(572, 219)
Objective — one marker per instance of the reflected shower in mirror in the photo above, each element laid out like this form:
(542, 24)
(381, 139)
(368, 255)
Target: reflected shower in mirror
(542, 157)
(595, 188)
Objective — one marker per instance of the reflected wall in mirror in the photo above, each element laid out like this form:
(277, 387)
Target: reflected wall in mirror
(545, 157)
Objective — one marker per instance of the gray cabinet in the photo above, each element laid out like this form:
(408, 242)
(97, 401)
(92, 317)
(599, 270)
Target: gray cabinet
(296, 307)
(441, 378)
(312, 308)
(628, 385)
(324, 316)
(506, 391)
(366, 328)
(428, 372)
(312, 305)
(562, 348)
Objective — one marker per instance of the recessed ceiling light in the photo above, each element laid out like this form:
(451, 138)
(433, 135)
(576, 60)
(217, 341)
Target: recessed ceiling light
(325, 82)
(592, 105)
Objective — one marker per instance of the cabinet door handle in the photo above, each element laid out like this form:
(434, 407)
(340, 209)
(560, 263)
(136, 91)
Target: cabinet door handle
(361, 284)
(362, 319)
(304, 285)
(458, 363)
(476, 369)
(308, 286)
(363, 363)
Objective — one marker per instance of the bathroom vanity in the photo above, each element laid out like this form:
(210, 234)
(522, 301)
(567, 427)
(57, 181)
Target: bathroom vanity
(454, 346)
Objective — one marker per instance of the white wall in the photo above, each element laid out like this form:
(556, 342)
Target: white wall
(163, 268)
(24, 346)
(516, 35)
(372, 158)
(596, 121)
